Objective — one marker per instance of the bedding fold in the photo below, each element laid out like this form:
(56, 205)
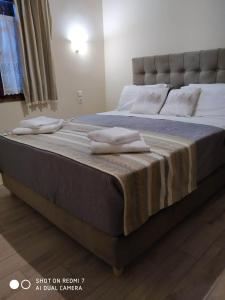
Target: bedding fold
(64, 180)
(149, 181)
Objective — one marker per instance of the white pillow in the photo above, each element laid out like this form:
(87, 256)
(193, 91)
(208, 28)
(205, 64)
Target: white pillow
(128, 97)
(130, 94)
(211, 101)
(150, 101)
(181, 102)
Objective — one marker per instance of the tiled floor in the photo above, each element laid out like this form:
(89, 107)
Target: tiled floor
(183, 265)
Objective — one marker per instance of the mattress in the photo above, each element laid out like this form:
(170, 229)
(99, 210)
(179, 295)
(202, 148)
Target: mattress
(88, 193)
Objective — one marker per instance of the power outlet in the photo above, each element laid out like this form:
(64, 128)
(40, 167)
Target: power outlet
(80, 96)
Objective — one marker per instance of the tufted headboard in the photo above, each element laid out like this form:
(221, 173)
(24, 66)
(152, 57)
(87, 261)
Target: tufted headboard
(206, 66)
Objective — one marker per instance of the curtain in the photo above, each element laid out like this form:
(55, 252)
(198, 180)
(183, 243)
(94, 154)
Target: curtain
(9, 59)
(34, 27)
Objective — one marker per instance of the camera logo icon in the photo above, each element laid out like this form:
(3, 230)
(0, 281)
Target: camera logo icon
(25, 284)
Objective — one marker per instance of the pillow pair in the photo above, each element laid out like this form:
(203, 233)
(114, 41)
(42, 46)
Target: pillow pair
(199, 100)
(150, 100)
(196, 99)
(147, 99)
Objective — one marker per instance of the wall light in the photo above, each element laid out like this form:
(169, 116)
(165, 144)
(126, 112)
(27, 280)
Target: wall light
(79, 38)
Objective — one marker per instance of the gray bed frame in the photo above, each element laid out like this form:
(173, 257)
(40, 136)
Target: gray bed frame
(175, 69)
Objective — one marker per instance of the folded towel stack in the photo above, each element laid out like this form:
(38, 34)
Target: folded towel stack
(117, 140)
(38, 125)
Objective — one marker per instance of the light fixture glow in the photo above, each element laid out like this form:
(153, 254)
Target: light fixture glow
(78, 38)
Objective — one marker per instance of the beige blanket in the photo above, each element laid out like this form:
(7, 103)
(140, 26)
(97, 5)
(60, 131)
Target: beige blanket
(150, 181)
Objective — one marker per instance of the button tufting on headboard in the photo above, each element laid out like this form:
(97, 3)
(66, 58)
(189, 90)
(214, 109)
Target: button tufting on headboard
(207, 66)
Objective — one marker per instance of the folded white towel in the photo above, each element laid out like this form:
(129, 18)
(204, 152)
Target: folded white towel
(114, 135)
(43, 129)
(38, 122)
(105, 148)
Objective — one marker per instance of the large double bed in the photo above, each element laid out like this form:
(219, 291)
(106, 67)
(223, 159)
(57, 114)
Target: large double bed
(118, 205)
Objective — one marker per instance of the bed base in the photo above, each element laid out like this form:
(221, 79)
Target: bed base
(119, 251)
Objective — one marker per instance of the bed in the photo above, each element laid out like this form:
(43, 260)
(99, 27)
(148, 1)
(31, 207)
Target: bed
(99, 201)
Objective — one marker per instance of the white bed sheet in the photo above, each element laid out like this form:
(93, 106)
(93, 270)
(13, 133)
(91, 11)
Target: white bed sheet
(212, 121)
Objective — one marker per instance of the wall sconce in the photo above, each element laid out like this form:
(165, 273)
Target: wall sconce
(79, 38)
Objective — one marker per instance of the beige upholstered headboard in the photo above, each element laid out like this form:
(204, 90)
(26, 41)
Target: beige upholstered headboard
(206, 66)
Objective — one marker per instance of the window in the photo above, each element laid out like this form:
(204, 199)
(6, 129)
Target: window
(10, 68)
(6, 7)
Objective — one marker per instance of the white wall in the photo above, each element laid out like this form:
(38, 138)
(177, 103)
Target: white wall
(73, 71)
(134, 28)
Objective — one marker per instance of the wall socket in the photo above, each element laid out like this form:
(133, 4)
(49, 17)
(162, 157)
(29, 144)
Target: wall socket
(80, 96)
